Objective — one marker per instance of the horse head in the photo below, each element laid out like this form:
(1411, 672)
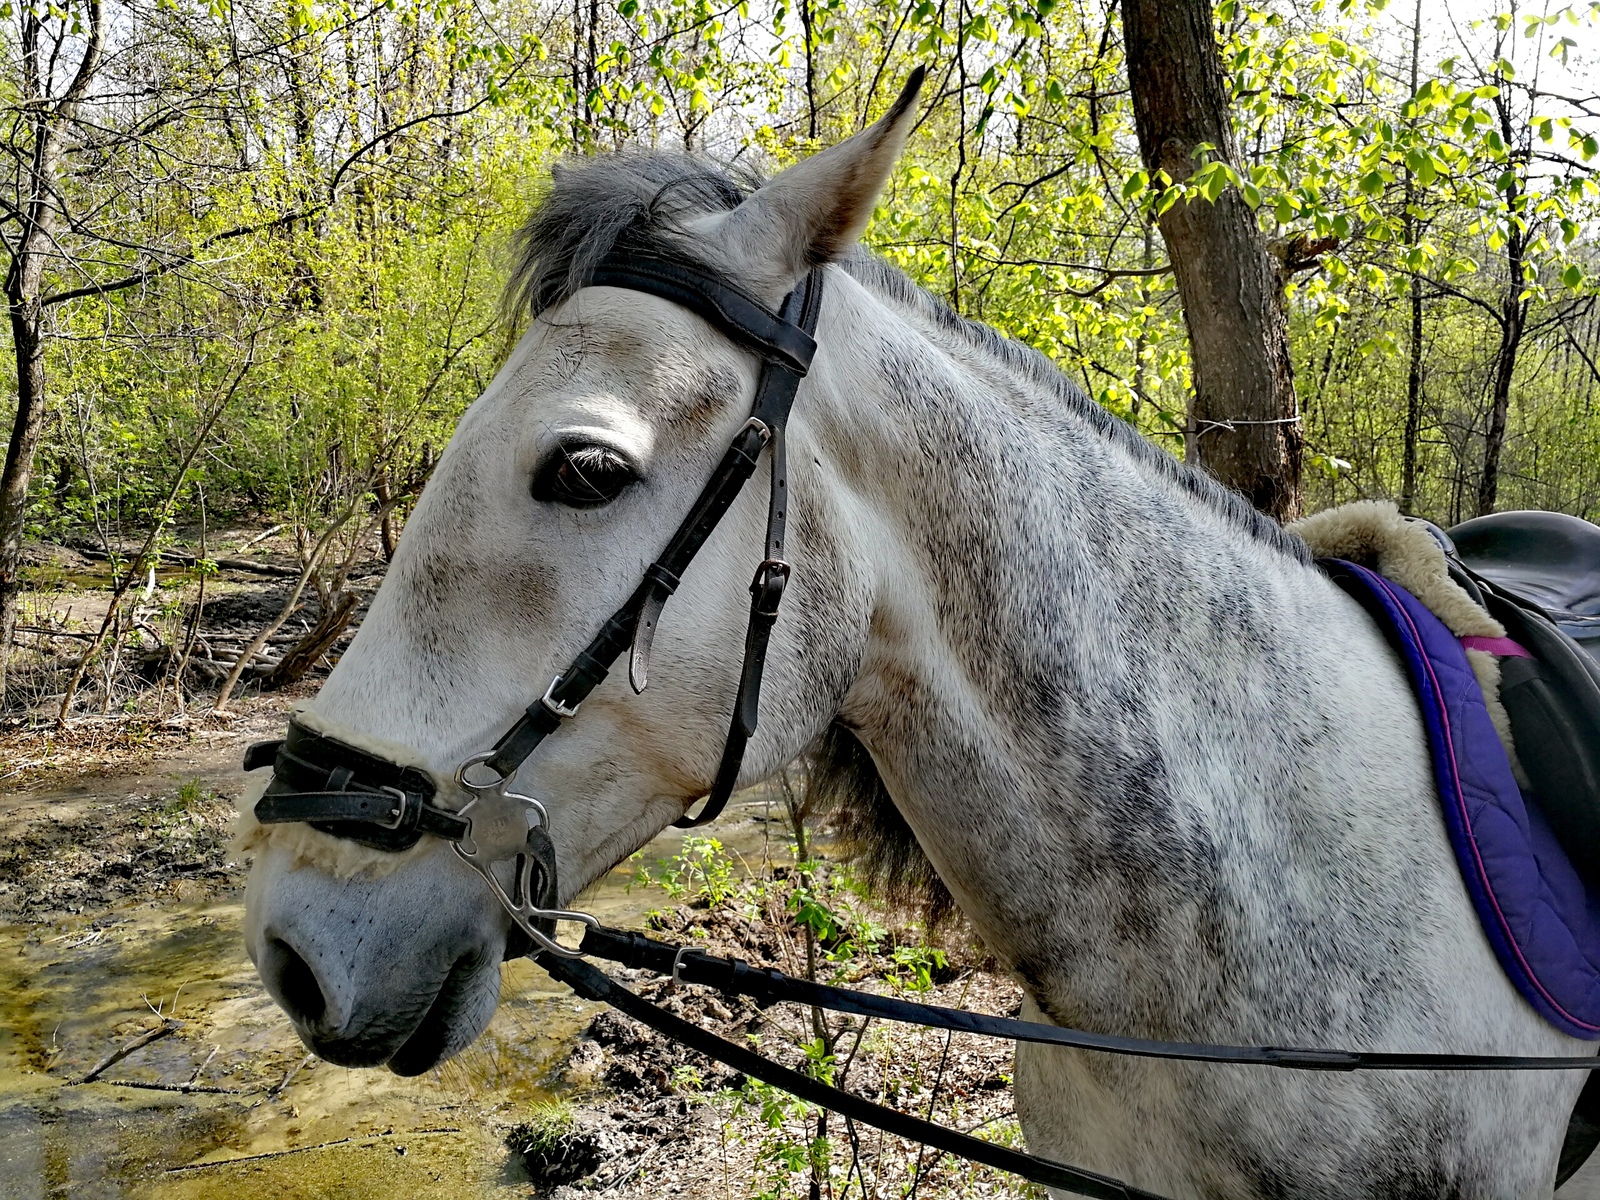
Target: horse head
(561, 483)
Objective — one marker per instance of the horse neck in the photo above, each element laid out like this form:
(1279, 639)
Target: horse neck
(1075, 662)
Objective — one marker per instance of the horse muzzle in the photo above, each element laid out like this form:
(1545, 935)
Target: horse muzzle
(400, 970)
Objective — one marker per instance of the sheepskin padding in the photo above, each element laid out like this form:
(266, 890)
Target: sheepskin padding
(1375, 535)
(308, 847)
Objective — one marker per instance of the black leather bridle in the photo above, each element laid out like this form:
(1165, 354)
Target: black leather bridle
(350, 793)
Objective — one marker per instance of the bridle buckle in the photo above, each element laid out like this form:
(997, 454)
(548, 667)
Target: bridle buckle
(402, 802)
(559, 708)
(766, 588)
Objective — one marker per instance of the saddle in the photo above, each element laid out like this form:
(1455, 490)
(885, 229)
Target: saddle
(1538, 574)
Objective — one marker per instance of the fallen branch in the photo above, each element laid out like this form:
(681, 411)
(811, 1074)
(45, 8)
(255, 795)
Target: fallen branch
(288, 1077)
(194, 1079)
(46, 631)
(138, 1043)
(261, 537)
(174, 1087)
(344, 1141)
(188, 559)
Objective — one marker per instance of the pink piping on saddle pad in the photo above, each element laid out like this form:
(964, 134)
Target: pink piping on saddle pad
(1503, 647)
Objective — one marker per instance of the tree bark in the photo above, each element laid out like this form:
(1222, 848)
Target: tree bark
(1408, 468)
(1513, 319)
(25, 433)
(1243, 424)
(300, 658)
(45, 124)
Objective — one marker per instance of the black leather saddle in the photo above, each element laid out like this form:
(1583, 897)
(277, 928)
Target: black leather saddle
(1547, 559)
(1538, 573)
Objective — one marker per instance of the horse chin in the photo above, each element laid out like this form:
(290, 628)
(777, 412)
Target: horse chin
(412, 1042)
(458, 1014)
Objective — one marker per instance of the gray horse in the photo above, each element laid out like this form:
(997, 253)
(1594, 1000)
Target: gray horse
(1173, 776)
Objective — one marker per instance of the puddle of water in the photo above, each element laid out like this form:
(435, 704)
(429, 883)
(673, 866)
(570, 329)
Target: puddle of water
(70, 994)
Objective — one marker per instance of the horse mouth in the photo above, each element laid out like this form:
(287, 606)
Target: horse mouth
(459, 1010)
(465, 1002)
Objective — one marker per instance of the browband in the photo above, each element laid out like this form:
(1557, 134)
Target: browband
(741, 317)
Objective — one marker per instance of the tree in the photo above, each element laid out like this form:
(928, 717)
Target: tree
(53, 88)
(1243, 419)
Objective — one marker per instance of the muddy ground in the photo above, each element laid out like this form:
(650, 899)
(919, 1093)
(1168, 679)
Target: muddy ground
(120, 917)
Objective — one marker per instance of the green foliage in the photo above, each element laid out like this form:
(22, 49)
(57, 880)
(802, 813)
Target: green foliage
(914, 966)
(701, 873)
(376, 184)
(539, 1136)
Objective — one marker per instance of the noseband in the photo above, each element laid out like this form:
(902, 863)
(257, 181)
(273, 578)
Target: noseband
(352, 794)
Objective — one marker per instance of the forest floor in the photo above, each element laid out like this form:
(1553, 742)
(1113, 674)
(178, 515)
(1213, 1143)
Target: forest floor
(121, 912)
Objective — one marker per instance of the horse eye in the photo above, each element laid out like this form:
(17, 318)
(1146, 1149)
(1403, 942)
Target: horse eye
(583, 476)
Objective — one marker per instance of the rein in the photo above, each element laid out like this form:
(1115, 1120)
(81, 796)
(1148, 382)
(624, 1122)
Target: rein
(350, 793)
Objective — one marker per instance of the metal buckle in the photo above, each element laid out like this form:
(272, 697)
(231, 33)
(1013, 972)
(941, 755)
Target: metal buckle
(400, 809)
(561, 710)
(760, 426)
(677, 961)
(771, 578)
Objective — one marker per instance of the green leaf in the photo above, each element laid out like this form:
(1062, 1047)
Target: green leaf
(1134, 184)
(1371, 183)
(1572, 276)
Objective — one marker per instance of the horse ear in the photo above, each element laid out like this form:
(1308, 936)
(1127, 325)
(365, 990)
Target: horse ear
(814, 212)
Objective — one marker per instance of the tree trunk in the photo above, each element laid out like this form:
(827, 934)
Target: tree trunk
(1408, 469)
(25, 434)
(386, 527)
(1513, 317)
(24, 276)
(1244, 426)
(1513, 314)
(299, 659)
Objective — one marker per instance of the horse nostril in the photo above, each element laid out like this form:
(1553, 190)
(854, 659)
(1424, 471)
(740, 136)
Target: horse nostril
(302, 994)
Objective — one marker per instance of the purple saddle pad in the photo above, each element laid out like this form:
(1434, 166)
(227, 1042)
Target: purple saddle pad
(1544, 927)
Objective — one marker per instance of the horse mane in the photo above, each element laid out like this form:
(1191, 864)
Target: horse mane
(641, 202)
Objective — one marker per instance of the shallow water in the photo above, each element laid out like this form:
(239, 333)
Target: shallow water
(71, 994)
